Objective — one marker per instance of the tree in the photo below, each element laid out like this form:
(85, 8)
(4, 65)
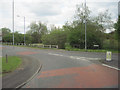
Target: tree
(37, 30)
(104, 20)
(117, 29)
(6, 36)
(82, 12)
(28, 39)
(94, 36)
(76, 29)
(55, 37)
(5, 31)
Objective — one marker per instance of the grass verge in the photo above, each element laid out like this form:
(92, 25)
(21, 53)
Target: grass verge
(91, 50)
(13, 63)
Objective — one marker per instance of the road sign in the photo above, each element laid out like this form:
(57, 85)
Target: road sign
(108, 56)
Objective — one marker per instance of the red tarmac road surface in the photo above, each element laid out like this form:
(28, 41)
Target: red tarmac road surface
(92, 76)
(26, 53)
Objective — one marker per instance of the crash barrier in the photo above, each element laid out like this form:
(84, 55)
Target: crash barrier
(33, 45)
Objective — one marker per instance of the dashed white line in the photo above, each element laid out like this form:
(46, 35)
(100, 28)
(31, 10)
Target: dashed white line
(85, 59)
(55, 54)
(76, 57)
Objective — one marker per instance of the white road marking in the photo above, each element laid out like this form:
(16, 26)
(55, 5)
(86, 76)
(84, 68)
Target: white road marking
(110, 67)
(84, 59)
(55, 54)
(75, 57)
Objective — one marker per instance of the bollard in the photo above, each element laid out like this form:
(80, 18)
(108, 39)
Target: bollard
(6, 59)
(108, 56)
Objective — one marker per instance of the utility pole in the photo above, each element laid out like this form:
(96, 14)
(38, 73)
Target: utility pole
(85, 28)
(118, 8)
(24, 30)
(13, 22)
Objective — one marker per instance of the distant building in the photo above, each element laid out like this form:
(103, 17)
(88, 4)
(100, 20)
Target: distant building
(119, 8)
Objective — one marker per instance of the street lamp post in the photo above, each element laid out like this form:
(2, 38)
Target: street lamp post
(24, 28)
(13, 23)
(118, 8)
(85, 29)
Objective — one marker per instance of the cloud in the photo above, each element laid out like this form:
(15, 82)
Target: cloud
(49, 11)
(44, 9)
(98, 7)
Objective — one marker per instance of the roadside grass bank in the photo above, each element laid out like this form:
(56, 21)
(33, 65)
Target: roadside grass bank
(92, 50)
(13, 63)
(73, 49)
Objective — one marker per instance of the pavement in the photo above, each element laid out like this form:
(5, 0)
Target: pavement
(67, 69)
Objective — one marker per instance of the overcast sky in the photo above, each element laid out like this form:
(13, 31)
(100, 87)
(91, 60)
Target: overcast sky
(55, 12)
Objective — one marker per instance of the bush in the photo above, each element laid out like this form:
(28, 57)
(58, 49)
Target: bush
(68, 46)
(110, 44)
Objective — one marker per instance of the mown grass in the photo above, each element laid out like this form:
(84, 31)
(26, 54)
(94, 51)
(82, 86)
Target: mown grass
(13, 63)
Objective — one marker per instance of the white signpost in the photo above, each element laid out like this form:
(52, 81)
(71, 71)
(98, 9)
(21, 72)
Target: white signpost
(108, 56)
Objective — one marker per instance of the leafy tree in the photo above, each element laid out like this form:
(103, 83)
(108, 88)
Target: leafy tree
(6, 36)
(94, 36)
(56, 37)
(37, 31)
(117, 29)
(104, 20)
(82, 12)
(28, 39)
(76, 29)
(17, 37)
(5, 31)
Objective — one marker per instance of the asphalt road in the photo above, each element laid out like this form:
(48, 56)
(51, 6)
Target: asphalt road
(67, 69)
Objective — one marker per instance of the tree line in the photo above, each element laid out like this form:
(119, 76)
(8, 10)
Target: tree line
(72, 33)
